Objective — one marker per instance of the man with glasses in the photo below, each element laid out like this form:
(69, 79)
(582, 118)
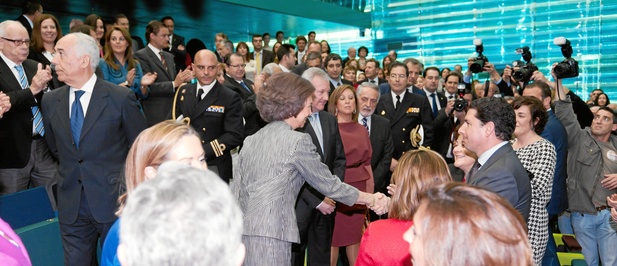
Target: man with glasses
(155, 59)
(235, 80)
(24, 157)
(406, 112)
(215, 111)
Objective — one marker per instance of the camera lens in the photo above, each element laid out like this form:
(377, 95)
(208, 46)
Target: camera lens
(477, 66)
(460, 105)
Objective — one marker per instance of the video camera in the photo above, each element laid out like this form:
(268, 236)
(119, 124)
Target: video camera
(526, 70)
(568, 68)
(478, 65)
(460, 104)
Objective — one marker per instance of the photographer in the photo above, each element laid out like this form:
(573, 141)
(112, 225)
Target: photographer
(449, 117)
(502, 83)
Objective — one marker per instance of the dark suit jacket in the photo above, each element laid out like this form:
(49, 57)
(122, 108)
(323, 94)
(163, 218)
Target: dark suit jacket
(233, 85)
(179, 56)
(379, 81)
(381, 142)
(160, 99)
(26, 24)
(139, 41)
(333, 156)
(457, 174)
(443, 126)
(16, 125)
(299, 69)
(54, 83)
(440, 98)
(218, 119)
(266, 58)
(384, 88)
(252, 120)
(113, 121)
(414, 110)
(504, 174)
(555, 132)
(343, 82)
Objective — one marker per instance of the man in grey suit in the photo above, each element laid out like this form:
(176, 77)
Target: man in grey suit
(154, 59)
(314, 212)
(489, 125)
(90, 125)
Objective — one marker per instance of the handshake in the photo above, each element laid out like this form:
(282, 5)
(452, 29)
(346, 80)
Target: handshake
(380, 203)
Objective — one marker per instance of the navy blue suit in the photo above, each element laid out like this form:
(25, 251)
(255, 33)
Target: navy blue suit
(557, 135)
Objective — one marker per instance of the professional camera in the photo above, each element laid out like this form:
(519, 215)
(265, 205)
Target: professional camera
(524, 71)
(478, 65)
(568, 68)
(460, 104)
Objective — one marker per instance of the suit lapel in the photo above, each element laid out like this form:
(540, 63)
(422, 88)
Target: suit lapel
(495, 157)
(97, 104)
(400, 112)
(308, 128)
(6, 73)
(210, 99)
(62, 111)
(171, 66)
(327, 133)
(388, 107)
(154, 58)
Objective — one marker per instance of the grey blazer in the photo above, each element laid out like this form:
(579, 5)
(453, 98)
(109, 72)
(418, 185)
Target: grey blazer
(272, 166)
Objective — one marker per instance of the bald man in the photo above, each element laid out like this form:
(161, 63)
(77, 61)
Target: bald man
(214, 111)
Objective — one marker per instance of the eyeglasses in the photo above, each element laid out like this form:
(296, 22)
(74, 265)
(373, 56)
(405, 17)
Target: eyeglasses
(18, 42)
(237, 66)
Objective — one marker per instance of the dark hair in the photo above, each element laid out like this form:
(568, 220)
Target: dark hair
(37, 38)
(83, 28)
(536, 109)
(314, 55)
(265, 34)
(544, 88)
(414, 61)
(431, 68)
(283, 96)
(166, 18)
(327, 44)
(456, 74)
(311, 32)
(284, 50)
(30, 7)
(362, 48)
(372, 60)
(119, 16)
(332, 57)
(300, 38)
(498, 111)
(256, 36)
(608, 109)
(442, 70)
(398, 64)
(248, 51)
(595, 102)
(153, 27)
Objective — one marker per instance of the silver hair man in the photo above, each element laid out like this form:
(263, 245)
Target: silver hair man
(184, 216)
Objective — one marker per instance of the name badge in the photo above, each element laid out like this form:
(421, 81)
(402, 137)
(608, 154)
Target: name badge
(216, 109)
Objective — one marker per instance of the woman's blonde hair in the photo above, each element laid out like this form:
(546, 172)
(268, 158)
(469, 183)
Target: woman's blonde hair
(416, 171)
(151, 148)
(468, 225)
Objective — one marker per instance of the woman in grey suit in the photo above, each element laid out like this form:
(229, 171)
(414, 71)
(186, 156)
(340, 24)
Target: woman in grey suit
(272, 167)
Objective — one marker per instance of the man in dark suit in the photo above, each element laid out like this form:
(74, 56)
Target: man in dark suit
(489, 125)
(314, 212)
(379, 133)
(234, 78)
(214, 111)
(90, 125)
(262, 57)
(371, 71)
(312, 56)
(29, 11)
(334, 67)
(176, 44)
(556, 133)
(431, 82)
(154, 59)
(415, 68)
(446, 125)
(24, 156)
(406, 112)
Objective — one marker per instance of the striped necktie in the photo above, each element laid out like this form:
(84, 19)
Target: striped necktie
(37, 121)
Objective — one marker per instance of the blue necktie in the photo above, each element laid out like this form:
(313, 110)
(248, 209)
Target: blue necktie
(365, 123)
(37, 121)
(77, 117)
(244, 85)
(434, 105)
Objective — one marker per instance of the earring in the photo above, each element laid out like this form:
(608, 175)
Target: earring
(354, 111)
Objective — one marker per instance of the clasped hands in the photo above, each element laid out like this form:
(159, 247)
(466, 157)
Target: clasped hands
(380, 203)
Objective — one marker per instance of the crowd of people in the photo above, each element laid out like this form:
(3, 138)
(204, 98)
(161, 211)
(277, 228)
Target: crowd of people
(357, 160)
